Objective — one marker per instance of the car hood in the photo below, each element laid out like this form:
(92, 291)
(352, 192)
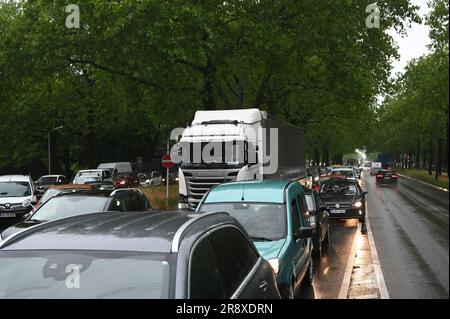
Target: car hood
(13, 200)
(337, 198)
(269, 249)
(18, 227)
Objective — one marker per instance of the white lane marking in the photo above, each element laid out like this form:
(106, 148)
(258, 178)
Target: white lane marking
(425, 183)
(348, 270)
(376, 262)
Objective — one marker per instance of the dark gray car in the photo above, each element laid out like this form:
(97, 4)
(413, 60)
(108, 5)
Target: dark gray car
(141, 255)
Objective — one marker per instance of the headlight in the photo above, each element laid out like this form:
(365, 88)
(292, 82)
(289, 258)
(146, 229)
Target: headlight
(357, 204)
(275, 264)
(26, 203)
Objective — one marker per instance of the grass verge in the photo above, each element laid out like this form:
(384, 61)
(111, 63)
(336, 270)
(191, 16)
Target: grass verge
(157, 196)
(423, 176)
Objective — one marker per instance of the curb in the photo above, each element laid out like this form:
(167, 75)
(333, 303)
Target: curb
(425, 183)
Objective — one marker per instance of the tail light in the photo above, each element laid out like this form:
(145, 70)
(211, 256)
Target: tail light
(380, 176)
(394, 176)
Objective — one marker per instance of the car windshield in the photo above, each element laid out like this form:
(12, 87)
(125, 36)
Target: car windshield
(49, 194)
(340, 187)
(15, 189)
(47, 180)
(83, 274)
(66, 206)
(87, 179)
(264, 220)
(342, 172)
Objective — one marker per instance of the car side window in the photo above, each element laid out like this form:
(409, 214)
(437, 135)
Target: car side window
(205, 278)
(294, 216)
(134, 202)
(232, 257)
(118, 203)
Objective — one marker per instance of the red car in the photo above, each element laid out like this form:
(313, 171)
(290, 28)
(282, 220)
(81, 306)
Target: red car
(386, 176)
(126, 180)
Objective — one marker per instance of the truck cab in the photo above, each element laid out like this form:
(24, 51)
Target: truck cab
(235, 145)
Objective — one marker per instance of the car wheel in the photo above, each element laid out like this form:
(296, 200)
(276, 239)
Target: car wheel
(288, 292)
(318, 249)
(363, 217)
(326, 240)
(308, 279)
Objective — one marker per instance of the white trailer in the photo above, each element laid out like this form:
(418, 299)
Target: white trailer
(236, 145)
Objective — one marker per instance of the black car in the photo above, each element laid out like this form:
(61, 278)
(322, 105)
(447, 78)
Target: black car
(45, 181)
(142, 255)
(386, 177)
(343, 198)
(318, 216)
(77, 202)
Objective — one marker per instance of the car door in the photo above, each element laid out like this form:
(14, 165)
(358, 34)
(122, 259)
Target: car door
(205, 277)
(240, 265)
(298, 243)
(321, 214)
(304, 222)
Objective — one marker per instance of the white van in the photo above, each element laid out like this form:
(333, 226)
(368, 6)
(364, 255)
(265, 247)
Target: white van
(375, 167)
(116, 168)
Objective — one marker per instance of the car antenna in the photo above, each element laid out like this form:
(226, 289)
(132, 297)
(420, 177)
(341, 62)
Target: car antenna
(243, 190)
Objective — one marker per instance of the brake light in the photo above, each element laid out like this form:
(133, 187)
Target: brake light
(394, 176)
(380, 176)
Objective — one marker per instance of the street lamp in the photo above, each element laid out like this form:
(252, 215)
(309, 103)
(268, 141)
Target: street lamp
(49, 147)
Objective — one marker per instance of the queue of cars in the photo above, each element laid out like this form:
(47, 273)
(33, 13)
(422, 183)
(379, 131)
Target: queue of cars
(247, 239)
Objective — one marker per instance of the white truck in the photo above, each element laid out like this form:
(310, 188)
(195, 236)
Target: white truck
(236, 145)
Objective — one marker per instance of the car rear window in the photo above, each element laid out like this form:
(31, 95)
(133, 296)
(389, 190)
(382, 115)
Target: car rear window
(83, 274)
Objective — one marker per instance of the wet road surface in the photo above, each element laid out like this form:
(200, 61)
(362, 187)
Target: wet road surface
(409, 228)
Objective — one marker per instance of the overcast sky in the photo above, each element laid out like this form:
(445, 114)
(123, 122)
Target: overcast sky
(415, 43)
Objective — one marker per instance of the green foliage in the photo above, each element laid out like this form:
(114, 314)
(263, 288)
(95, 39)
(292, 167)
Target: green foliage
(136, 69)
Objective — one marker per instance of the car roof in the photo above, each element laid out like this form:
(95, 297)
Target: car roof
(51, 176)
(70, 186)
(271, 191)
(149, 231)
(15, 178)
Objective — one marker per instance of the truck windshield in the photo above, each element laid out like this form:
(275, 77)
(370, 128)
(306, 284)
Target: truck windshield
(214, 154)
(83, 274)
(271, 218)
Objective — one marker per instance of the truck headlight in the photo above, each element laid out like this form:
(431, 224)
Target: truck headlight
(275, 264)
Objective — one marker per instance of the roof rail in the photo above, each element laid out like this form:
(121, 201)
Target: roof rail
(182, 229)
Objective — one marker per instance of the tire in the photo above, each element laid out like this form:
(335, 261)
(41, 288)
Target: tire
(326, 240)
(308, 278)
(317, 252)
(288, 292)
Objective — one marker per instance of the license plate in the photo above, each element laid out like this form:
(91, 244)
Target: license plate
(337, 211)
(387, 177)
(8, 215)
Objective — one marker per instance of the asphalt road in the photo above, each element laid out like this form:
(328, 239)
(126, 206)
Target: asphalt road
(410, 229)
(409, 226)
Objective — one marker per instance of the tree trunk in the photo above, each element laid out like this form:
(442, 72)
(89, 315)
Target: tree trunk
(430, 157)
(417, 159)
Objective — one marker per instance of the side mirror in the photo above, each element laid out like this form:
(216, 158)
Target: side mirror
(304, 232)
(34, 200)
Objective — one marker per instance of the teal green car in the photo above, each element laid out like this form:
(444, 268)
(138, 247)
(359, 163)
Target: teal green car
(275, 215)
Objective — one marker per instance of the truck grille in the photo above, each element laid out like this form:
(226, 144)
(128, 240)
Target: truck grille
(199, 185)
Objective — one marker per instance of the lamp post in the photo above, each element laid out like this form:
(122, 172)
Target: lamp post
(49, 147)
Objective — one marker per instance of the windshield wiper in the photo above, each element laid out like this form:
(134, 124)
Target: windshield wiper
(260, 238)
